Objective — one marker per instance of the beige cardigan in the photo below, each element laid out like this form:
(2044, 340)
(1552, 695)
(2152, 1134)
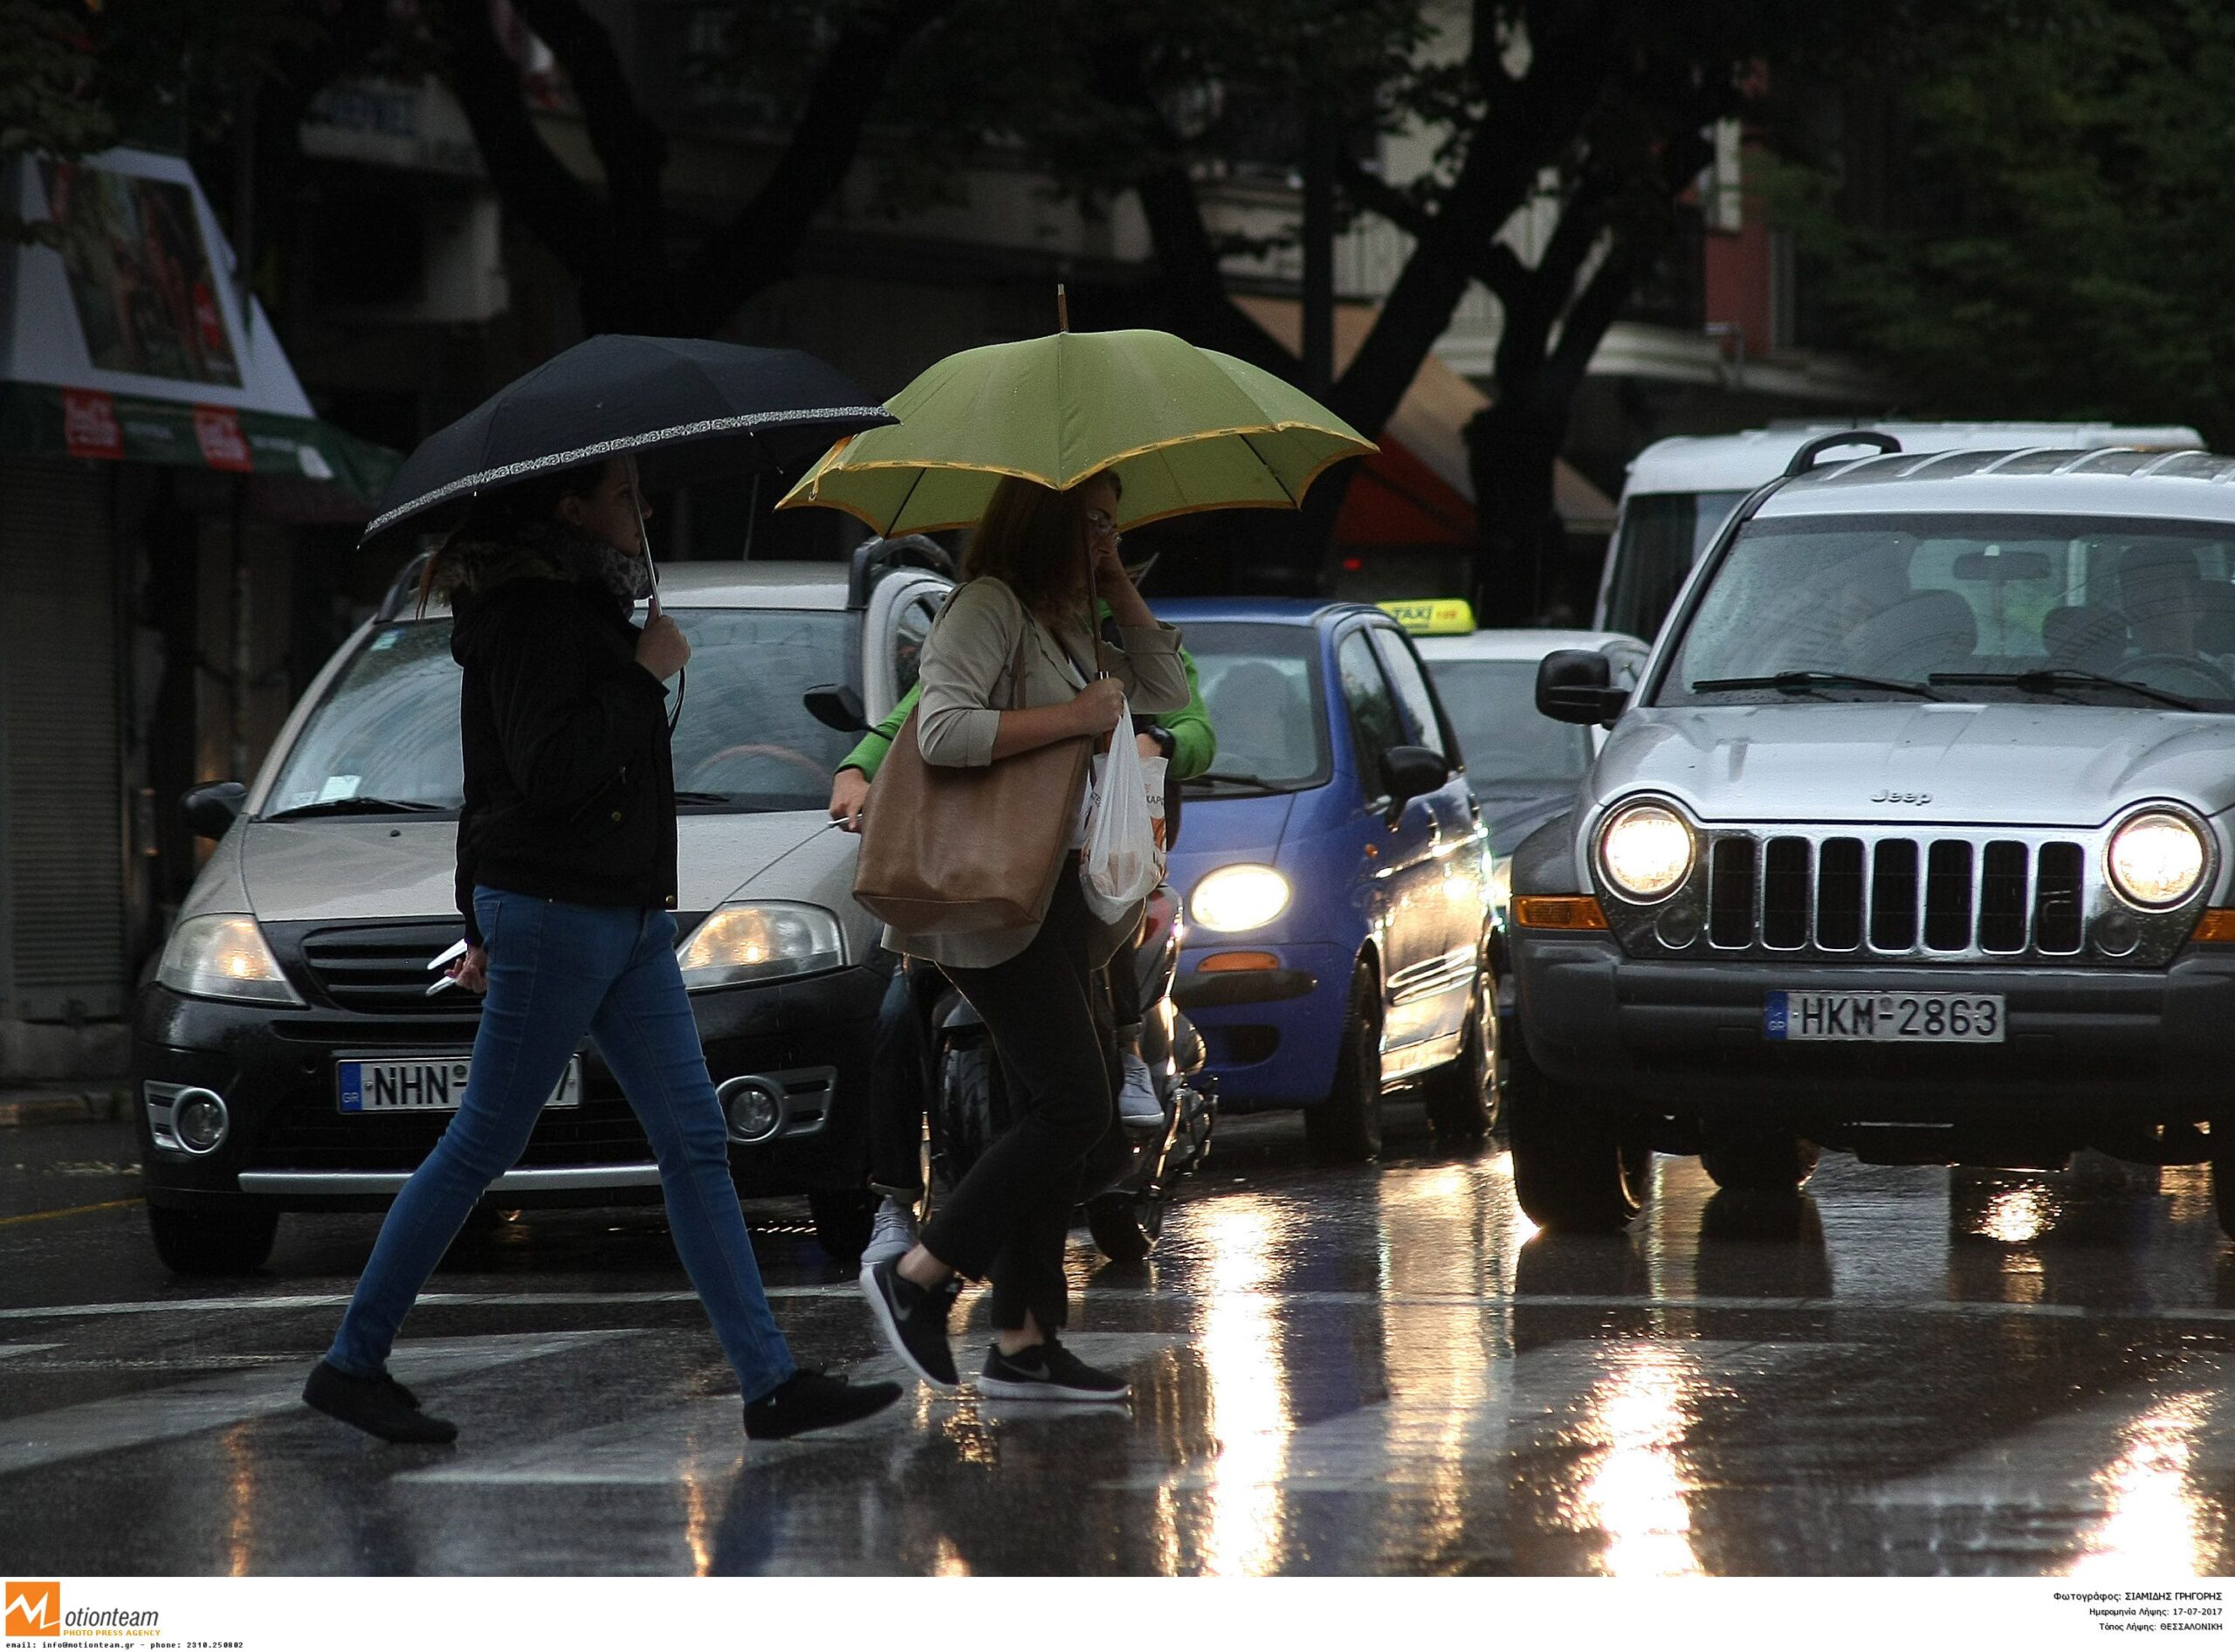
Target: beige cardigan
(965, 672)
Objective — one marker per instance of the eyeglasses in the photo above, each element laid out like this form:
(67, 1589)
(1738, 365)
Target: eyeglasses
(1100, 522)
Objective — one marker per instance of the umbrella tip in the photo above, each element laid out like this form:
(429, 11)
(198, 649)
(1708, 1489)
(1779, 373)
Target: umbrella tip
(1062, 310)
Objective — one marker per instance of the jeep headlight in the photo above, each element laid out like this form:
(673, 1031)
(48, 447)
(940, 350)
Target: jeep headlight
(2157, 859)
(223, 955)
(1645, 851)
(1235, 897)
(759, 941)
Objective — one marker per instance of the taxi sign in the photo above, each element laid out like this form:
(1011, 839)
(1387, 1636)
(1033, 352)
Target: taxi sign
(1432, 616)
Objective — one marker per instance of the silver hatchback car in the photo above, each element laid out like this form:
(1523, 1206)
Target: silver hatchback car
(286, 1053)
(1914, 840)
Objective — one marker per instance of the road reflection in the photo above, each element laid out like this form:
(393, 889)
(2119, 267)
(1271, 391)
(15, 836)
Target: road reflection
(2155, 1519)
(1248, 1383)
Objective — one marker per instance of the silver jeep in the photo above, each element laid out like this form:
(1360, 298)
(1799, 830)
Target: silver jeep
(1914, 841)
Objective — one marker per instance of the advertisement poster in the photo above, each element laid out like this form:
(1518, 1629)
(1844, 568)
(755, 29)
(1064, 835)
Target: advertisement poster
(139, 273)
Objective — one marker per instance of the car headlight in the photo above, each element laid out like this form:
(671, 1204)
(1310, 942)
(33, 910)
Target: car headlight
(2157, 859)
(1645, 851)
(223, 955)
(1240, 898)
(761, 941)
(1501, 885)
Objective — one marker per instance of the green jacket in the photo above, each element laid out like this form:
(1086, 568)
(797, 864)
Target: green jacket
(1194, 744)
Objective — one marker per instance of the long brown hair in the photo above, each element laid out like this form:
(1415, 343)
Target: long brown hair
(503, 516)
(1032, 538)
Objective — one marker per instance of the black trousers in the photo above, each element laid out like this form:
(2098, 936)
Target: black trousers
(1009, 1217)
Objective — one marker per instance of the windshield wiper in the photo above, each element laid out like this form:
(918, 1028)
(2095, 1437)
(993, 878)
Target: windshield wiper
(1801, 682)
(1222, 775)
(702, 797)
(2054, 678)
(358, 806)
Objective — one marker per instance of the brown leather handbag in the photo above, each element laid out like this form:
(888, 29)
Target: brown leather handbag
(951, 852)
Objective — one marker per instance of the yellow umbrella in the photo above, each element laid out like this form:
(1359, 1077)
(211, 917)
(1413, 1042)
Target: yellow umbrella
(1186, 429)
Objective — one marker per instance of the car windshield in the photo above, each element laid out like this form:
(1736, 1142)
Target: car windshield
(387, 731)
(1492, 704)
(2046, 609)
(1260, 685)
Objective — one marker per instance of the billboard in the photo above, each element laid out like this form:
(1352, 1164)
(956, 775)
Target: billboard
(139, 273)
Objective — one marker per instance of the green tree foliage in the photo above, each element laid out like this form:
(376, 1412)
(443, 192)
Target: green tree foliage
(2060, 240)
(48, 102)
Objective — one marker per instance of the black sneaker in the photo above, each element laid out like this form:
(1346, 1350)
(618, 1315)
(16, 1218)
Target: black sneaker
(1047, 1371)
(914, 1321)
(380, 1405)
(810, 1399)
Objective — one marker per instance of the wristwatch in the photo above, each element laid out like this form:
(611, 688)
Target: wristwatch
(1166, 741)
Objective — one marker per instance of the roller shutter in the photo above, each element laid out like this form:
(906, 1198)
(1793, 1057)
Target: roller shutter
(61, 853)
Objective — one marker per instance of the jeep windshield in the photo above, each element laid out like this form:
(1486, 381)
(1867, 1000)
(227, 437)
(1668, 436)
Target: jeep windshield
(2046, 610)
(386, 731)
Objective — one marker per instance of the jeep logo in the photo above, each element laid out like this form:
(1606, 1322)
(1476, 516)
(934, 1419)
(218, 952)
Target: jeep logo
(1919, 798)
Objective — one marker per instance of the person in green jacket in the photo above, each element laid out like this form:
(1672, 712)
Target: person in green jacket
(899, 1071)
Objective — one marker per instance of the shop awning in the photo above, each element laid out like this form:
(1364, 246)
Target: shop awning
(128, 340)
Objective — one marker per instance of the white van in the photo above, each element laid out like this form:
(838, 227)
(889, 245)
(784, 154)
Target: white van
(1681, 489)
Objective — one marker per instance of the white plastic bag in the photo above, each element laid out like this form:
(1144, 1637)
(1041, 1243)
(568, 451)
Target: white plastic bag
(1122, 860)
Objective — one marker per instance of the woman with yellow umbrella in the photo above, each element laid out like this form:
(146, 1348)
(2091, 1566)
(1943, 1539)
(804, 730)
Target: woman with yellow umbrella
(1050, 447)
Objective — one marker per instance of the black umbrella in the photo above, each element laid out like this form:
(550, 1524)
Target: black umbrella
(690, 407)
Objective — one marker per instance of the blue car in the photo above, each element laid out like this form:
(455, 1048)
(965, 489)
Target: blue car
(1332, 868)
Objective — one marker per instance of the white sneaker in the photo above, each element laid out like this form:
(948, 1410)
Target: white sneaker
(1137, 1101)
(892, 1234)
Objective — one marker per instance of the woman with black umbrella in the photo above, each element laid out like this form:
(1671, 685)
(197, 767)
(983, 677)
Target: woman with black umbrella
(566, 879)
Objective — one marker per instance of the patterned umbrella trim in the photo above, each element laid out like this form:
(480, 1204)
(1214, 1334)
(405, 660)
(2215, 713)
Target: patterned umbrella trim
(503, 473)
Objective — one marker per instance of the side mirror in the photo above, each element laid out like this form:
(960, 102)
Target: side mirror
(1411, 771)
(1577, 685)
(211, 809)
(838, 707)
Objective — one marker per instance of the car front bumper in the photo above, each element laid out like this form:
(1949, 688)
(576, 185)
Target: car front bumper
(291, 1148)
(1272, 1035)
(2115, 1046)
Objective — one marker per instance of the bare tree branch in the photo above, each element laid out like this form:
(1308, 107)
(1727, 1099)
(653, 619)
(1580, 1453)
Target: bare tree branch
(535, 183)
(629, 145)
(755, 250)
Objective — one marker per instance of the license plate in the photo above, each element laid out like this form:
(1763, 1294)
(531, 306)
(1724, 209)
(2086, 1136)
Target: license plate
(1884, 1018)
(426, 1083)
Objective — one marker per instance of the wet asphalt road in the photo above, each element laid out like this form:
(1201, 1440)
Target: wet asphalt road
(1374, 1370)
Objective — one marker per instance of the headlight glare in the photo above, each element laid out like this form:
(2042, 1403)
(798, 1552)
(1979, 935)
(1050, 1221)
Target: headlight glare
(1236, 898)
(761, 941)
(1645, 851)
(2157, 859)
(223, 955)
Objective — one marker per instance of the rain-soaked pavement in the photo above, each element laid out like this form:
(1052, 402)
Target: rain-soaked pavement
(1375, 1370)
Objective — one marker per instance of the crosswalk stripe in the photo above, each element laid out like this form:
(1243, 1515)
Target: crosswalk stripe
(2164, 1313)
(116, 1424)
(703, 1442)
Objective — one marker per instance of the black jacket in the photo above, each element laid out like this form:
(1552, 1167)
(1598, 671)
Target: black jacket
(569, 788)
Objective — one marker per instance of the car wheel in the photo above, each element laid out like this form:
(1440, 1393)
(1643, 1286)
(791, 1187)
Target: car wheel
(1345, 1128)
(1464, 1099)
(841, 1220)
(1125, 1225)
(969, 1111)
(1576, 1167)
(1761, 1161)
(212, 1242)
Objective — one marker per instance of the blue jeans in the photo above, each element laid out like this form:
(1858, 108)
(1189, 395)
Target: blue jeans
(557, 971)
